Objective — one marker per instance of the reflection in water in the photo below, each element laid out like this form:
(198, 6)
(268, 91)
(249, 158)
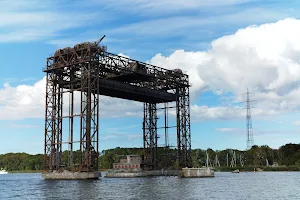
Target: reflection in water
(263, 185)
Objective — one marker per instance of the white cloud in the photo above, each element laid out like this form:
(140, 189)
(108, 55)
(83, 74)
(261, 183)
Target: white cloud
(23, 101)
(187, 61)
(297, 123)
(263, 58)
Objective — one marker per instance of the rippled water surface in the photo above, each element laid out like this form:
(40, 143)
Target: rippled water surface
(261, 185)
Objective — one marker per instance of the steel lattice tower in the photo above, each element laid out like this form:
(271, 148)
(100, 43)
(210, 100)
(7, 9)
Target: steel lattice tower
(250, 140)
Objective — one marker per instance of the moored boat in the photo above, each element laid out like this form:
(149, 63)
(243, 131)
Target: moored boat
(236, 171)
(3, 171)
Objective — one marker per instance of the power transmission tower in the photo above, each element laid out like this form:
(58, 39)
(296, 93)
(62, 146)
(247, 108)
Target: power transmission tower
(250, 140)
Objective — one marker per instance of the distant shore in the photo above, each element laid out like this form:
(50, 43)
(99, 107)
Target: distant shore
(26, 171)
(251, 169)
(40, 171)
(217, 169)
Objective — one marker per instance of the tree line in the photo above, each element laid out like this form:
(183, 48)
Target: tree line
(287, 155)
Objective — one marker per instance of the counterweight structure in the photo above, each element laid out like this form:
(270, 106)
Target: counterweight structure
(88, 70)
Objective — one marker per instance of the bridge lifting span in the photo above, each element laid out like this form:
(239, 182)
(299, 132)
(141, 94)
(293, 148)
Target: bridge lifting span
(89, 70)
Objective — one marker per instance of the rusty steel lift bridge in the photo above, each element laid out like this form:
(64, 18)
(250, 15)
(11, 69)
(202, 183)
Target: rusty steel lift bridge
(88, 70)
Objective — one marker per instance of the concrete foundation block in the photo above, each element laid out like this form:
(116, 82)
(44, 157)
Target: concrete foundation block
(198, 172)
(68, 175)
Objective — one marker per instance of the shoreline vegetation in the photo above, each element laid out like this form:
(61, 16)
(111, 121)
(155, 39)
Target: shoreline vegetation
(217, 169)
(285, 158)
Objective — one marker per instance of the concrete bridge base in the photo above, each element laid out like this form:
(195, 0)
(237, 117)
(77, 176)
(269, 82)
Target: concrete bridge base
(142, 174)
(68, 175)
(198, 172)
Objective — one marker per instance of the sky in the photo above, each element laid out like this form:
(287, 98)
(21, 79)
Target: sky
(225, 46)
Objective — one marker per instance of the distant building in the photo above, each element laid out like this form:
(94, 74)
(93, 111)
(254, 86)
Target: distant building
(128, 163)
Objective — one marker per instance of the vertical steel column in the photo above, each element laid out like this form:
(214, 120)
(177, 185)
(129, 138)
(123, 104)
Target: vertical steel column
(84, 128)
(150, 135)
(48, 145)
(89, 113)
(59, 94)
(87, 161)
(166, 125)
(53, 123)
(183, 127)
(82, 116)
(94, 148)
(71, 118)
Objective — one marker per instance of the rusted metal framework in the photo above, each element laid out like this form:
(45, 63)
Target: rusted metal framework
(87, 71)
(70, 73)
(150, 135)
(183, 127)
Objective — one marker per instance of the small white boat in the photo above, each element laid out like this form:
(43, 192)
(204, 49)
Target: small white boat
(3, 171)
(236, 171)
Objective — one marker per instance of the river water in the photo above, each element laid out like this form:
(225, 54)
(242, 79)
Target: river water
(247, 185)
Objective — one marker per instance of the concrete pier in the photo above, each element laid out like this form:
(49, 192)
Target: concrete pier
(68, 175)
(114, 174)
(198, 172)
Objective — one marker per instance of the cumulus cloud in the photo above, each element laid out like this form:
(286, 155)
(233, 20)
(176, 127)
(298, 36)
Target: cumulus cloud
(23, 101)
(263, 58)
(188, 62)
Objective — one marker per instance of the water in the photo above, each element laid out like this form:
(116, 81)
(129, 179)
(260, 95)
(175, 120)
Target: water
(260, 185)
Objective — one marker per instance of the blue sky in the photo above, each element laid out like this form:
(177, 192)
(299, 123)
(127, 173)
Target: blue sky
(225, 46)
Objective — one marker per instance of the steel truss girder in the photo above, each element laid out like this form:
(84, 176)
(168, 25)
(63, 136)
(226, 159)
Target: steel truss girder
(112, 66)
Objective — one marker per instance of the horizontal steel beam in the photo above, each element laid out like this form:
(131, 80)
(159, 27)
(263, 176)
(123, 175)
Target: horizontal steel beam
(130, 92)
